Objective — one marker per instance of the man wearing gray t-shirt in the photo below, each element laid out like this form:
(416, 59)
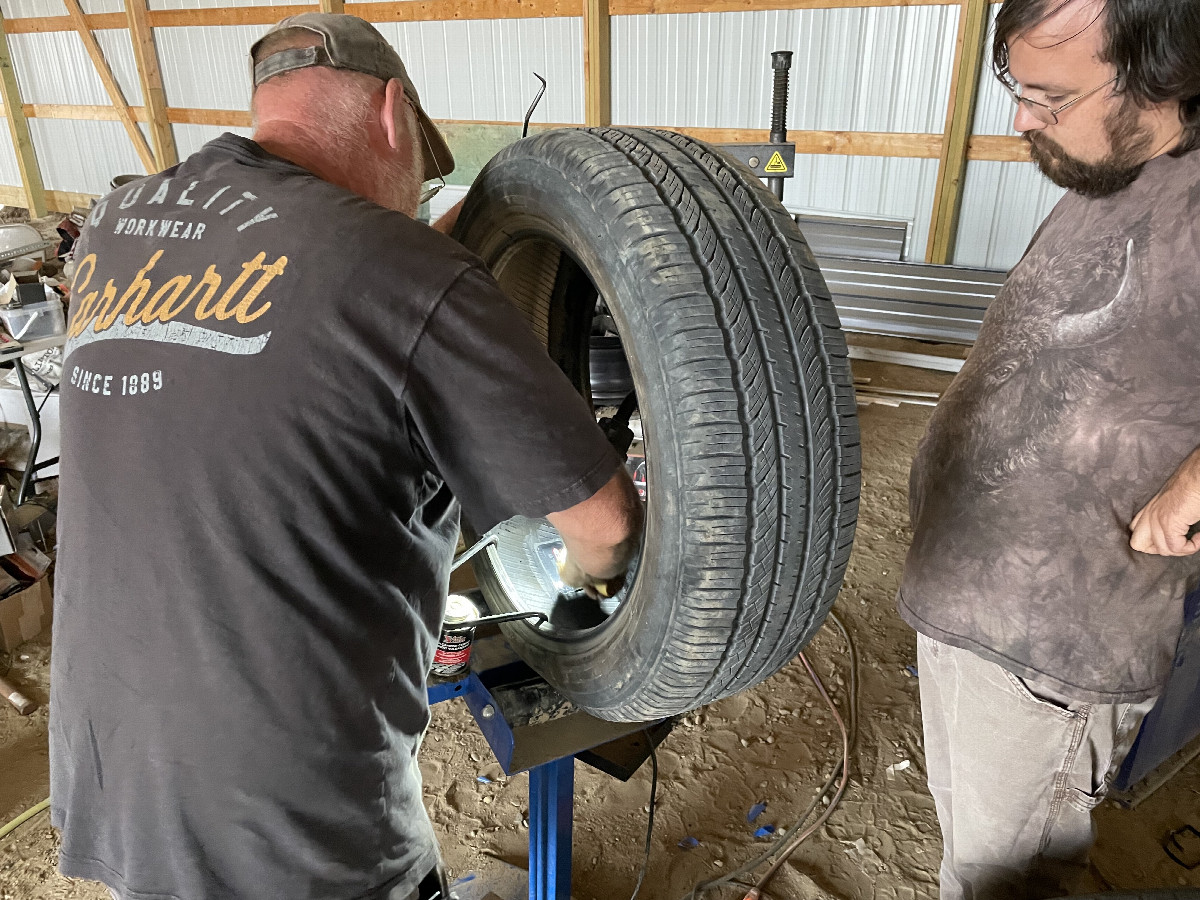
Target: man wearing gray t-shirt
(281, 390)
(1053, 495)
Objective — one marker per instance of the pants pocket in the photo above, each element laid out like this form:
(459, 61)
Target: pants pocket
(1033, 697)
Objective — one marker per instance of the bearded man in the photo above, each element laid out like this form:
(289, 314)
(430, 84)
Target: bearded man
(282, 389)
(1053, 496)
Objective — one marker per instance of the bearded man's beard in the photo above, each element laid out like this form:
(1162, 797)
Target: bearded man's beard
(1130, 141)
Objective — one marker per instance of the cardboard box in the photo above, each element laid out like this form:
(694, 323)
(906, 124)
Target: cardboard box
(25, 614)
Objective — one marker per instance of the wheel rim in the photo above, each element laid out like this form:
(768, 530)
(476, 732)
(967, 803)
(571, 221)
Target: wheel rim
(561, 302)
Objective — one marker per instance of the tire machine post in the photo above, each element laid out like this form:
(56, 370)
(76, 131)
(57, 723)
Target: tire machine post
(528, 725)
(775, 160)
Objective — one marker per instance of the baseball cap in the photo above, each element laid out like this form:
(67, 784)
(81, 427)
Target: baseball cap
(353, 43)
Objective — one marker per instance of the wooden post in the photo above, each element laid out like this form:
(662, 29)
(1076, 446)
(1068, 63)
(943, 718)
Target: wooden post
(597, 63)
(333, 6)
(960, 117)
(146, 55)
(110, 85)
(31, 173)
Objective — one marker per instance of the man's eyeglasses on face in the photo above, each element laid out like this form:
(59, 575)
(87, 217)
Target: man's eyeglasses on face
(1047, 115)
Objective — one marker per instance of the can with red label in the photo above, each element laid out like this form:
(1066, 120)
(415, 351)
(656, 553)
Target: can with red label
(458, 630)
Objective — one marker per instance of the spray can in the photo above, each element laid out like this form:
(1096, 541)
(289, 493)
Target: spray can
(458, 630)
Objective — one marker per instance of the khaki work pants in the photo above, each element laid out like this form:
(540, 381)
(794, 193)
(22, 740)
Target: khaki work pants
(1015, 771)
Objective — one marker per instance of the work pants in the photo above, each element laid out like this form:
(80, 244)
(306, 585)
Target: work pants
(433, 887)
(1015, 771)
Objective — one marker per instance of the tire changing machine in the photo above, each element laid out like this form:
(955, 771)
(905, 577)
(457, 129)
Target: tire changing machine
(532, 728)
(529, 726)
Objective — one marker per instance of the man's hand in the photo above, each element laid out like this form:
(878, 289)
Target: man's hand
(600, 535)
(572, 575)
(1161, 527)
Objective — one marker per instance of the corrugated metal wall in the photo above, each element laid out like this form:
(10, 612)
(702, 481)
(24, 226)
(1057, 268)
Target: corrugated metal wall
(883, 69)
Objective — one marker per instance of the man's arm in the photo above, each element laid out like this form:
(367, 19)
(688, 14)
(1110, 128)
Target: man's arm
(445, 222)
(601, 534)
(1161, 527)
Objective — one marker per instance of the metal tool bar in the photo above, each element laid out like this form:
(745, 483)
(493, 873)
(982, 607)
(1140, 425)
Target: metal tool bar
(509, 617)
(489, 538)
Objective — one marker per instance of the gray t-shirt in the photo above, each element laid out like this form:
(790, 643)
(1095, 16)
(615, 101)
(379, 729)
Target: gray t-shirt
(1078, 401)
(271, 390)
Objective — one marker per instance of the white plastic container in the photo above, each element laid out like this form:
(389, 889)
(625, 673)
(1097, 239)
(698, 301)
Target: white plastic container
(34, 320)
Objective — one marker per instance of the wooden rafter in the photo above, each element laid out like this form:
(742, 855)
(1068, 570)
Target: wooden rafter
(110, 84)
(31, 174)
(146, 56)
(333, 6)
(597, 63)
(960, 117)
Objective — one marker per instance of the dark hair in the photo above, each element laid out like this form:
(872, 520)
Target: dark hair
(1154, 44)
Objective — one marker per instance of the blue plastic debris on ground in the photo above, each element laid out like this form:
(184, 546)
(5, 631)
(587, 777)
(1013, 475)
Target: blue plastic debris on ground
(911, 670)
(755, 811)
(483, 779)
(765, 831)
(688, 843)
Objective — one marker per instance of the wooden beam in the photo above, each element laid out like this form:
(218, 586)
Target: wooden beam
(56, 201)
(455, 10)
(333, 6)
(1002, 148)
(110, 85)
(825, 143)
(597, 63)
(960, 116)
(150, 76)
(33, 191)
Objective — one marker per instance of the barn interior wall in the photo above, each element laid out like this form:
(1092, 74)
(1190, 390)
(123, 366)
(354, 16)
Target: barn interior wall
(885, 69)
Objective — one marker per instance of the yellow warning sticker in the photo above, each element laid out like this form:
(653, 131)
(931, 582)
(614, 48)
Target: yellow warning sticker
(776, 163)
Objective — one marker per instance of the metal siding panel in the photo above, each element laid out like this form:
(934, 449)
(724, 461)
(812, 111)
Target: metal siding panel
(20, 9)
(82, 156)
(1003, 205)
(867, 186)
(10, 172)
(884, 69)
(54, 67)
(190, 138)
(207, 67)
(483, 70)
(118, 50)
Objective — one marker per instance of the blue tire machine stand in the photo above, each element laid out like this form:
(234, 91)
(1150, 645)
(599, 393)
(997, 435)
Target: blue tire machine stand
(532, 728)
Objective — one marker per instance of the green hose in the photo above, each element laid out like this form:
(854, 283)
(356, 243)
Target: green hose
(23, 818)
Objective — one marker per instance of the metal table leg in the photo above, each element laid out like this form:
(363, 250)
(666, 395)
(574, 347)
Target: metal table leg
(551, 814)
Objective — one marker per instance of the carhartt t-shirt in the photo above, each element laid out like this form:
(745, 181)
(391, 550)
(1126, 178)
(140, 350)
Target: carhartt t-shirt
(274, 393)
(1079, 400)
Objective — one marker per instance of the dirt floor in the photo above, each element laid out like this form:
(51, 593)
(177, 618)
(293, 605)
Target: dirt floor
(775, 745)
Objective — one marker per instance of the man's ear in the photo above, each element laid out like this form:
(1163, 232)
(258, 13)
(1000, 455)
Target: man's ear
(393, 96)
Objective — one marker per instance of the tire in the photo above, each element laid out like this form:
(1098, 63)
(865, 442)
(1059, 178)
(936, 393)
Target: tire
(746, 402)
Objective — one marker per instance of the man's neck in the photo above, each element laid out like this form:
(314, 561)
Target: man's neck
(305, 148)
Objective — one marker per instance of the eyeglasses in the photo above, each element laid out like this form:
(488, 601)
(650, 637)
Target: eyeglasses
(1047, 115)
(430, 192)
